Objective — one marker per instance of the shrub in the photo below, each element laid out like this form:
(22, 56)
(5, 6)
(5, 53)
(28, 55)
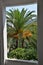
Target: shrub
(22, 53)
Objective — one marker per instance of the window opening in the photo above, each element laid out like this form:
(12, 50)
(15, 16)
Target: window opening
(22, 32)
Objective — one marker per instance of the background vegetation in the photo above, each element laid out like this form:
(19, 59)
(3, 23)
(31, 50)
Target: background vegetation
(22, 34)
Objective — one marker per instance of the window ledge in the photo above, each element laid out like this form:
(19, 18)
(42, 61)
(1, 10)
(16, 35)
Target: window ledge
(20, 62)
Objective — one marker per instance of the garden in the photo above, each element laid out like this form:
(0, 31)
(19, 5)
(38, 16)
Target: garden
(21, 34)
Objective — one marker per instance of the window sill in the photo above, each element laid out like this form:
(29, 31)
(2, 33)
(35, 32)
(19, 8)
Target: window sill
(20, 62)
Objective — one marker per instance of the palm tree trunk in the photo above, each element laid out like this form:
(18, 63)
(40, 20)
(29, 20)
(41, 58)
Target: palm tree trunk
(16, 43)
(22, 43)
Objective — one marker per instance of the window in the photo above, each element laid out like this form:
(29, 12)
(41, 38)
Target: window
(40, 25)
(22, 32)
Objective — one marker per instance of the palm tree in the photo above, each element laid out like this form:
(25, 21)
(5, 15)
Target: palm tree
(18, 23)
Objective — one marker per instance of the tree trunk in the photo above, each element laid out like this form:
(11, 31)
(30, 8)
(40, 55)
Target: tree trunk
(16, 43)
(22, 43)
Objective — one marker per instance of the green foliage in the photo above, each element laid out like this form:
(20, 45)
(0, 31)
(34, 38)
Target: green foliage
(33, 40)
(17, 23)
(22, 53)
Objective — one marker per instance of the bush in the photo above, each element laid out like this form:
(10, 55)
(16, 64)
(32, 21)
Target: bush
(17, 53)
(22, 53)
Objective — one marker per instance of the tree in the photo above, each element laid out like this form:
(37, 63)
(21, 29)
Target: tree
(18, 24)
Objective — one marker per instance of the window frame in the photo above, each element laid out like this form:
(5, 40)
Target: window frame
(39, 26)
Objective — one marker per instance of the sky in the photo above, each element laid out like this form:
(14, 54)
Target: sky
(31, 7)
